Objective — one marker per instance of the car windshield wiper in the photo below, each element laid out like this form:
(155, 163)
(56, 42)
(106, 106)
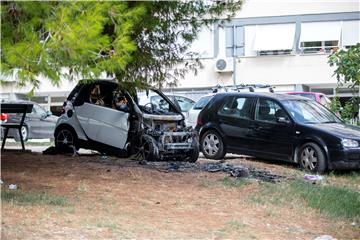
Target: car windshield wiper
(330, 122)
(311, 122)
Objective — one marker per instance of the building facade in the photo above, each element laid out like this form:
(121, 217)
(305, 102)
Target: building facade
(281, 43)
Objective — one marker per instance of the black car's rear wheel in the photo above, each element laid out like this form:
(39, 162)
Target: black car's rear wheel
(312, 158)
(212, 145)
(65, 140)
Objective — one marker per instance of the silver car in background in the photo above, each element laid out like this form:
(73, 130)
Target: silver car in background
(38, 124)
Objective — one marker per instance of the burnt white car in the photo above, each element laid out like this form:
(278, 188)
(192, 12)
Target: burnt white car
(103, 116)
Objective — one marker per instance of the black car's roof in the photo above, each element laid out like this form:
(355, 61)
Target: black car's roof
(277, 96)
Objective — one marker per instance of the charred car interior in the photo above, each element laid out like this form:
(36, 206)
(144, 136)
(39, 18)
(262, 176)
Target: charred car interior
(103, 116)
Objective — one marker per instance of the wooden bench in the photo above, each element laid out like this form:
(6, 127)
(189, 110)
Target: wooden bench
(15, 108)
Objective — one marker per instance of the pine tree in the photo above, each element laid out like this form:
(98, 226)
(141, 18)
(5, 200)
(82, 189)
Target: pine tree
(138, 42)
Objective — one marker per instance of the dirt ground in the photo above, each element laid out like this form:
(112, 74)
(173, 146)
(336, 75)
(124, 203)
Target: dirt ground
(121, 199)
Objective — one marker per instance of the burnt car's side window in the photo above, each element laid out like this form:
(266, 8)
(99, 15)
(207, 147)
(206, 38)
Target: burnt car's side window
(268, 110)
(101, 95)
(239, 107)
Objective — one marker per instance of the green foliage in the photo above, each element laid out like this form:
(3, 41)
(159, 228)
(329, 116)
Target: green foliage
(347, 63)
(335, 105)
(141, 42)
(350, 109)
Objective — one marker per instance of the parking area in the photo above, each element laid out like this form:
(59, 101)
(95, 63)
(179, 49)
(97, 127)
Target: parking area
(96, 197)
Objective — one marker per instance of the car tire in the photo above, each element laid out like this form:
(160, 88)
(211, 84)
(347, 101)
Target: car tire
(149, 148)
(312, 158)
(65, 139)
(212, 145)
(24, 132)
(193, 155)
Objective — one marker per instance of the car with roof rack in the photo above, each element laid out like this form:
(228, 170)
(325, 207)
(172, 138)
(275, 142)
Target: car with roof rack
(278, 126)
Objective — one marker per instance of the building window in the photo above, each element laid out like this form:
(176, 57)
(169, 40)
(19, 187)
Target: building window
(269, 39)
(350, 33)
(320, 37)
(234, 41)
(274, 52)
(319, 46)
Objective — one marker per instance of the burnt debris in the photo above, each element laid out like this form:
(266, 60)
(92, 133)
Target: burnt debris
(238, 171)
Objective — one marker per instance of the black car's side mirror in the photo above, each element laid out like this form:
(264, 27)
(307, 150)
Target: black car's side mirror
(282, 120)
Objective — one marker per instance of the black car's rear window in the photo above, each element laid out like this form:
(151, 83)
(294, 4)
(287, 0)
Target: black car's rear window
(202, 102)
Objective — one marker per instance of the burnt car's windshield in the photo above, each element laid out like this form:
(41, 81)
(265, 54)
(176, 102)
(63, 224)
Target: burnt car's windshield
(310, 112)
(153, 103)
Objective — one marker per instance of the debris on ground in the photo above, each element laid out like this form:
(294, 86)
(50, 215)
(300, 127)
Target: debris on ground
(12, 186)
(54, 151)
(325, 237)
(237, 171)
(313, 177)
(50, 151)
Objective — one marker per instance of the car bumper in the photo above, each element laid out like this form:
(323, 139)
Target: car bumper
(345, 159)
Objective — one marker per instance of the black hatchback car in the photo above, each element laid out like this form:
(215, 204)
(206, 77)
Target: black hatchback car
(278, 126)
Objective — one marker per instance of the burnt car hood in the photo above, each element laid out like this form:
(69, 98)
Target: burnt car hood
(339, 129)
(175, 107)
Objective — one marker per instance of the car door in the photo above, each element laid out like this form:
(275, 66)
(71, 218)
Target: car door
(42, 125)
(272, 129)
(102, 123)
(33, 122)
(234, 117)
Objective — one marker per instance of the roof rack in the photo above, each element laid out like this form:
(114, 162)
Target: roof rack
(237, 88)
(252, 87)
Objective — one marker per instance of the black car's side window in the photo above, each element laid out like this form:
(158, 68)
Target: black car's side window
(239, 107)
(268, 110)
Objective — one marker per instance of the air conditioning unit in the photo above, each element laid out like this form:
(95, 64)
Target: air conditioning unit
(224, 65)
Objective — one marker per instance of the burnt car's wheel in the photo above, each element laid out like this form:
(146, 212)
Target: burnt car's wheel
(65, 140)
(193, 155)
(212, 145)
(149, 148)
(312, 158)
(24, 133)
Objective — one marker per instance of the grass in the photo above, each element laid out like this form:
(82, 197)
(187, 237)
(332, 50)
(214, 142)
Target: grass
(333, 200)
(233, 182)
(32, 198)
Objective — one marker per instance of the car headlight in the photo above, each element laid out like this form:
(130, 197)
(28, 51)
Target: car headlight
(349, 143)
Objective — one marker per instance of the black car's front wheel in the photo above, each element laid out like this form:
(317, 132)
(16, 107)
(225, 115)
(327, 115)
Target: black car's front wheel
(212, 145)
(65, 140)
(312, 158)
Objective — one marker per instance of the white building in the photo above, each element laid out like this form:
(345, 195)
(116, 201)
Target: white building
(283, 43)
